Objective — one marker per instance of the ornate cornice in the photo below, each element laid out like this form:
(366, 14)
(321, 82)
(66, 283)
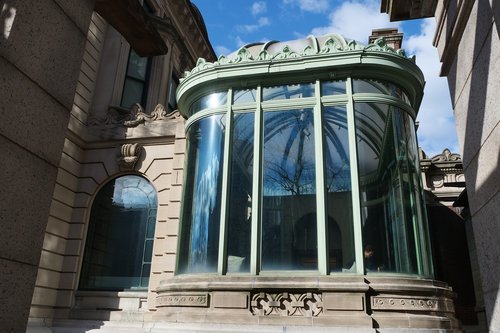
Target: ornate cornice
(334, 44)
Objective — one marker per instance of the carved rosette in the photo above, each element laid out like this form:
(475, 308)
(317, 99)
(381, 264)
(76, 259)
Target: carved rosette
(287, 304)
(399, 303)
(191, 300)
(129, 155)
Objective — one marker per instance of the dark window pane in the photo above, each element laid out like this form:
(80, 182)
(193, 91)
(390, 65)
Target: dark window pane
(132, 92)
(288, 91)
(289, 236)
(241, 180)
(172, 101)
(137, 66)
(338, 186)
(199, 238)
(115, 246)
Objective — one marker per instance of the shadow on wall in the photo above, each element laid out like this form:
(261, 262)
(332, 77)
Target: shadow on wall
(475, 109)
(451, 259)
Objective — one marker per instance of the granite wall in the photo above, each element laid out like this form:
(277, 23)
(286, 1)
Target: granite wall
(41, 47)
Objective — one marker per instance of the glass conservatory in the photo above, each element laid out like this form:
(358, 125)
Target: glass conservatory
(302, 178)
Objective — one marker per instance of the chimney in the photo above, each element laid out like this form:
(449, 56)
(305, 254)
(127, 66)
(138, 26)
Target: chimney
(393, 38)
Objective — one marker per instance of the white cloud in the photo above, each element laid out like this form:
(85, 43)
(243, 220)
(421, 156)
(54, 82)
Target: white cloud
(239, 41)
(356, 20)
(313, 6)
(259, 7)
(221, 50)
(249, 28)
(437, 126)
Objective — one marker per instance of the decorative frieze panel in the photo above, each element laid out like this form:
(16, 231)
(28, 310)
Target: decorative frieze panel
(191, 300)
(404, 303)
(287, 304)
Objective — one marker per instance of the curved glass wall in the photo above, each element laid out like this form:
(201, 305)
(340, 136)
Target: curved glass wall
(120, 237)
(202, 207)
(317, 178)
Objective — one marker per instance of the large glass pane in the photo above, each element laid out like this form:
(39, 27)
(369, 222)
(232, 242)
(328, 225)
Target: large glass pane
(241, 180)
(117, 245)
(289, 234)
(338, 186)
(288, 91)
(390, 225)
(199, 238)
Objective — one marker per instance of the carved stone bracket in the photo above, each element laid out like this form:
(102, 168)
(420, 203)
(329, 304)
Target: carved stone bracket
(287, 304)
(129, 155)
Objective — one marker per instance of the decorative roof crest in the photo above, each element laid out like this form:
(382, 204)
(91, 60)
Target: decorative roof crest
(334, 44)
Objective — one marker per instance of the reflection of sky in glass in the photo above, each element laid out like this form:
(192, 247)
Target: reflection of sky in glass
(289, 165)
(134, 192)
(288, 91)
(337, 169)
(209, 101)
(206, 191)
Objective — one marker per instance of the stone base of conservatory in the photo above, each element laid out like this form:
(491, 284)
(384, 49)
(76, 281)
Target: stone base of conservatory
(382, 303)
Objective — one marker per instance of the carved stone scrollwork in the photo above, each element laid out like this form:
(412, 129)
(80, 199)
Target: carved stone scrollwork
(447, 156)
(287, 304)
(136, 115)
(129, 155)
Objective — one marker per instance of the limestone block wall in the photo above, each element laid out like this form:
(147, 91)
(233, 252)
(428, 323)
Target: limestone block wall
(61, 243)
(41, 48)
(468, 41)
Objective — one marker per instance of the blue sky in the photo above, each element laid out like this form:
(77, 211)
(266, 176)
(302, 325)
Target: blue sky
(233, 23)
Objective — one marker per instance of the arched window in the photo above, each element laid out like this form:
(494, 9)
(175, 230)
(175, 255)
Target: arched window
(120, 237)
